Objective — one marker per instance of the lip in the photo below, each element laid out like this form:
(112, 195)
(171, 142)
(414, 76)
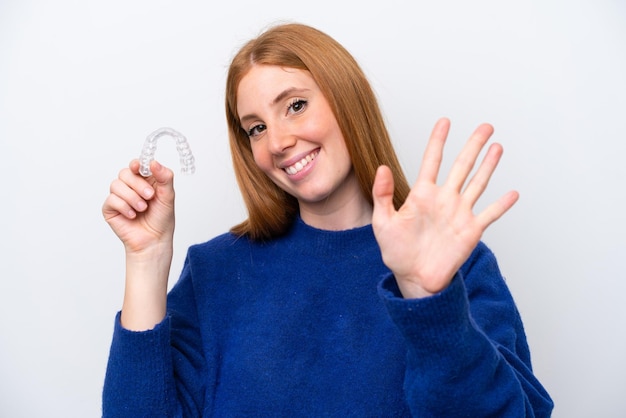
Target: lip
(298, 158)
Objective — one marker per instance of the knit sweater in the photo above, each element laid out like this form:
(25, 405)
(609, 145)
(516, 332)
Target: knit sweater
(312, 324)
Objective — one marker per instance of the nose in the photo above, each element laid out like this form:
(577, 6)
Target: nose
(280, 140)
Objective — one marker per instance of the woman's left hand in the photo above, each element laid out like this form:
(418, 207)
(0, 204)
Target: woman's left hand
(428, 239)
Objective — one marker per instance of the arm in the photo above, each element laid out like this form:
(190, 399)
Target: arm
(149, 349)
(467, 352)
(425, 242)
(161, 371)
(456, 362)
(141, 213)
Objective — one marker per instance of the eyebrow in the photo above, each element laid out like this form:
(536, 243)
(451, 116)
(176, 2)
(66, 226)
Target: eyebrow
(280, 97)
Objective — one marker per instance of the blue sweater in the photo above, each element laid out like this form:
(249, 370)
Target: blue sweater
(312, 324)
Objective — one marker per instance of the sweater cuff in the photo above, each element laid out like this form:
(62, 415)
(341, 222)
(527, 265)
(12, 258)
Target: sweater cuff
(139, 348)
(137, 373)
(158, 329)
(432, 324)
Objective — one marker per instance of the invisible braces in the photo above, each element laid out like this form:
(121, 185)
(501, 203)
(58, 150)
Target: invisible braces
(187, 161)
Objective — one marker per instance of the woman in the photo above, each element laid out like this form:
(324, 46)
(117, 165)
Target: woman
(345, 292)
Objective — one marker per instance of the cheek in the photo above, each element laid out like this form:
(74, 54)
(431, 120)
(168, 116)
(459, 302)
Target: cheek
(318, 127)
(262, 158)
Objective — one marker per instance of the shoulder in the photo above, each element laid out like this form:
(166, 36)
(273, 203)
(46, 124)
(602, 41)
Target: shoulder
(222, 246)
(225, 240)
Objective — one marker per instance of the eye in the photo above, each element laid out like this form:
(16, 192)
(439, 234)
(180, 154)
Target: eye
(296, 106)
(256, 130)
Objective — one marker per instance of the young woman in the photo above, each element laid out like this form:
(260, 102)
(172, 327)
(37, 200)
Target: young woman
(345, 292)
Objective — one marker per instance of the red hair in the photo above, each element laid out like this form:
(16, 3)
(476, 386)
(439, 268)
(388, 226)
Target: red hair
(352, 100)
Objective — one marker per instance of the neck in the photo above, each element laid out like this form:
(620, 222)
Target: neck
(352, 213)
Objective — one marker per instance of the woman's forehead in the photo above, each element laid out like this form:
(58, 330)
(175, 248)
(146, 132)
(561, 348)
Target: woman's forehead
(267, 85)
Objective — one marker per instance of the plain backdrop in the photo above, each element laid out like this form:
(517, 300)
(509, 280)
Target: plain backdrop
(83, 82)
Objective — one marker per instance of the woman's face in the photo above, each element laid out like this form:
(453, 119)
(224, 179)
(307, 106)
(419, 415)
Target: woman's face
(295, 138)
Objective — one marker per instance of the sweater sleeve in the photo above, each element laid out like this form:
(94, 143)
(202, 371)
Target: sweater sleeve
(157, 373)
(467, 351)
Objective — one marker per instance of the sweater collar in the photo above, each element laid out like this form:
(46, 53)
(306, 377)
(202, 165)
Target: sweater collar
(331, 244)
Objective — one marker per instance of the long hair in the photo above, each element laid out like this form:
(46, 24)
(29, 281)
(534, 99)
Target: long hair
(270, 209)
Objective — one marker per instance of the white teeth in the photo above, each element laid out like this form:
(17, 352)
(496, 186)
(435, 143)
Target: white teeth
(293, 169)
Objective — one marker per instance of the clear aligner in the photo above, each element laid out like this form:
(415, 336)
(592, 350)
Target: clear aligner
(187, 161)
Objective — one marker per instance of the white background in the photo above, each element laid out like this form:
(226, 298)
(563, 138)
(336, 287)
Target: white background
(83, 82)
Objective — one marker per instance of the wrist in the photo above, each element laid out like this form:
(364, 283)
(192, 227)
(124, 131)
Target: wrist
(416, 288)
(411, 290)
(145, 294)
(150, 253)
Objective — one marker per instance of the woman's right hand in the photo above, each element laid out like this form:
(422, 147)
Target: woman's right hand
(141, 210)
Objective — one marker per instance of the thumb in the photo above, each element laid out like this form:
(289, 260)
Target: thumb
(382, 194)
(163, 181)
(163, 175)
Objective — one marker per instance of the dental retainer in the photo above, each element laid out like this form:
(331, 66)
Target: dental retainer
(187, 161)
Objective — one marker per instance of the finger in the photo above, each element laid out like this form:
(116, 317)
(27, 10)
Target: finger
(163, 175)
(431, 161)
(480, 180)
(134, 166)
(115, 206)
(163, 179)
(382, 195)
(123, 191)
(140, 185)
(494, 211)
(466, 160)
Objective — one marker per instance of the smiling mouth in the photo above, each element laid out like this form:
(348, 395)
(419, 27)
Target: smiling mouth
(299, 166)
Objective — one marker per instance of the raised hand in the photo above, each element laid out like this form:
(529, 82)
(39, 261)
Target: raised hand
(141, 212)
(426, 241)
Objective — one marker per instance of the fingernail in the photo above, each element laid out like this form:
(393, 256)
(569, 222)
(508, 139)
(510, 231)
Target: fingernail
(147, 192)
(141, 206)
